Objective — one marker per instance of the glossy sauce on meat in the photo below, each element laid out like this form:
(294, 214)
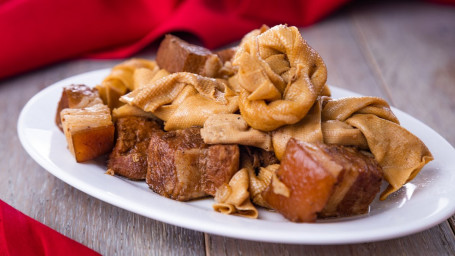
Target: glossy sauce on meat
(129, 156)
(182, 167)
(324, 179)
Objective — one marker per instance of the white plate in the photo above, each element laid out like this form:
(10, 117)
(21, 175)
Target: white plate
(426, 201)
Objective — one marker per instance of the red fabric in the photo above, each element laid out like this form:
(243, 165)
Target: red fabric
(22, 235)
(448, 2)
(38, 32)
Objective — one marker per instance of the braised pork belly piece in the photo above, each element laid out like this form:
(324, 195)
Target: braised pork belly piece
(76, 96)
(86, 122)
(177, 55)
(254, 158)
(89, 131)
(324, 180)
(129, 156)
(182, 167)
(357, 185)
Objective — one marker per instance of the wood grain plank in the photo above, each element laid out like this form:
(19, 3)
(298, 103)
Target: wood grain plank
(334, 40)
(413, 47)
(419, 244)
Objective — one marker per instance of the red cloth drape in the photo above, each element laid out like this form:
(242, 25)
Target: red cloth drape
(22, 235)
(34, 33)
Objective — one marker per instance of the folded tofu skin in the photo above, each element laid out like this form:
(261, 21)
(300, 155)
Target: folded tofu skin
(280, 77)
(251, 126)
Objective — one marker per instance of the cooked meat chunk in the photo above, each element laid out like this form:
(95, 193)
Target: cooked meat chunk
(182, 167)
(89, 131)
(257, 157)
(323, 179)
(129, 156)
(218, 164)
(266, 158)
(85, 121)
(357, 185)
(177, 55)
(76, 96)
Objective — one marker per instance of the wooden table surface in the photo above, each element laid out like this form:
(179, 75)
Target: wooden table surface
(403, 52)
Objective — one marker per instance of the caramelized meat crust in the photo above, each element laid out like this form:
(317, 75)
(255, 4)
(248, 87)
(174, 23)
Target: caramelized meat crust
(358, 184)
(177, 55)
(257, 157)
(76, 96)
(85, 121)
(219, 163)
(182, 167)
(323, 179)
(129, 156)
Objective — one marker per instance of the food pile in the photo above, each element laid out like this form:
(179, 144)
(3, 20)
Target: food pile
(252, 126)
